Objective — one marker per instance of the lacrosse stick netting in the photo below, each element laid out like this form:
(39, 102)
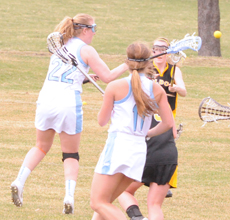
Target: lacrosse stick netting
(54, 42)
(211, 111)
(175, 58)
(188, 42)
(56, 46)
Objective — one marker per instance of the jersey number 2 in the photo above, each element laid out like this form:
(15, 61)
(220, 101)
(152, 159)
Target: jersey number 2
(57, 63)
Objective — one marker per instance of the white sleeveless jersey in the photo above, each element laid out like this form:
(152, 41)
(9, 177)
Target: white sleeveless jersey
(63, 80)
(124, 117)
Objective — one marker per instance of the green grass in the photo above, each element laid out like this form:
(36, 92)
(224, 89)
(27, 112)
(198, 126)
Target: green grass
(203, 177)
(25, 24)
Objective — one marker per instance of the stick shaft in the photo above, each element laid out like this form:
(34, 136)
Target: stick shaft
(91, 80)
(158, 55)
(56, 46)
(173, 75)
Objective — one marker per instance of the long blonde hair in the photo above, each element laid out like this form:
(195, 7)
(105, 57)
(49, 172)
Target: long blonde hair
(139, 51)
(68, 25)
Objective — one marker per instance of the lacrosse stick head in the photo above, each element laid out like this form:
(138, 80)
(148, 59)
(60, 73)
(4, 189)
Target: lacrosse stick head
(55, 41)
(212, 111)
(176, 57)
(56, 46)
(188, 42)
(179, 131)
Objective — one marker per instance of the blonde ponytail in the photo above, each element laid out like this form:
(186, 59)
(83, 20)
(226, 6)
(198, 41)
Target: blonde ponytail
(136, 52)
(145, 105)
(66, 26)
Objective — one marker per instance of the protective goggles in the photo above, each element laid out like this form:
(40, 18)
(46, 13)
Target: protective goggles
(158, 48)
(79, 26)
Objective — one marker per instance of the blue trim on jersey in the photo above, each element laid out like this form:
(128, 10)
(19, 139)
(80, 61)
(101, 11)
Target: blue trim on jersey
(130, 88)
(79, 116)
(151, 89)
(79, 52)
(79, 55)
(129, 93)
(108, 153)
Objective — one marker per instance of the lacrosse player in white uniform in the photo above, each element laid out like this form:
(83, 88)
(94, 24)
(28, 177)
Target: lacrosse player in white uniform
(59, 105)
(129, 103)
(160, 172)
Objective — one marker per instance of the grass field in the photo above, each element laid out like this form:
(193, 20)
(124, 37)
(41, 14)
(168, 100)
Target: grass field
(204, 164)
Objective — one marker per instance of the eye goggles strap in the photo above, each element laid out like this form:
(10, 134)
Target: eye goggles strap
(159, 46)
(79, 26)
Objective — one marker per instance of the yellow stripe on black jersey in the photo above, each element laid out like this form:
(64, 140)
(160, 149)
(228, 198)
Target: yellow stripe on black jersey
(164, 80)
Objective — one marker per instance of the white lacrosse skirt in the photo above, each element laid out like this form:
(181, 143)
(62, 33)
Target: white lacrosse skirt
(123, 153)
(61, 118)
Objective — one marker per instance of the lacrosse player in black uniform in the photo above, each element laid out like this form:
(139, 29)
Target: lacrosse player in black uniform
(163, 76)
(164, 72)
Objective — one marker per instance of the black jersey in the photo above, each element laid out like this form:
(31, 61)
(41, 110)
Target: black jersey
(161, 149)
(164, 79)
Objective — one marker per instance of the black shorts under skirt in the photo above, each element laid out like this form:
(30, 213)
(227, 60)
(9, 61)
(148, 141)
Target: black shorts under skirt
(160, 174)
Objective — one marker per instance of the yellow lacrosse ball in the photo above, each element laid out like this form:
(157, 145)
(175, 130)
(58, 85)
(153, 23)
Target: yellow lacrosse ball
(84, 103)
(217, 34)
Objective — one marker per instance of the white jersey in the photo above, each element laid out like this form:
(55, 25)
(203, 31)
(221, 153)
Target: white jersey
(59, 105)
(124, 117)
(63, 80)
(125, 149)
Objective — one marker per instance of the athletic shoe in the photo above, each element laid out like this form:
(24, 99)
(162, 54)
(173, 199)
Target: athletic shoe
(138, 218)
(68, 205)
(16, 193)
(169, 194)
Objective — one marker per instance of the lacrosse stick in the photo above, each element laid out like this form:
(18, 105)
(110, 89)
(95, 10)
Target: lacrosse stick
(188, 42)
(176, 57)
(179, 131)
(56, 46)
(211, 111)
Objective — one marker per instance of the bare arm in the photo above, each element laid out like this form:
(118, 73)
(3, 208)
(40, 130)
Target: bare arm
(179, 85)
(107, 106)
(99, 67)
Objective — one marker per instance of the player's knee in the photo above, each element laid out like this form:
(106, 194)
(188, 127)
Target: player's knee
(70, 155)
(96, 205)
(92, 205)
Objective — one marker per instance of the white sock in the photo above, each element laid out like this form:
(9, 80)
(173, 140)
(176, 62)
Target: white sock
(70, 187)
(23, 174)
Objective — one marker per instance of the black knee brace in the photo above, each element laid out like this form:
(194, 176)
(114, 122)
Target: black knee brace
(70, 155)
(133, 211)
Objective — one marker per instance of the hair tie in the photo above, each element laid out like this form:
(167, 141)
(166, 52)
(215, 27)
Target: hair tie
(138, 60)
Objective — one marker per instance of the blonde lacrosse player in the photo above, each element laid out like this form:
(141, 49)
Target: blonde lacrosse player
(160, 172)
(59, 105)
(130, 103)
(164, 74)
